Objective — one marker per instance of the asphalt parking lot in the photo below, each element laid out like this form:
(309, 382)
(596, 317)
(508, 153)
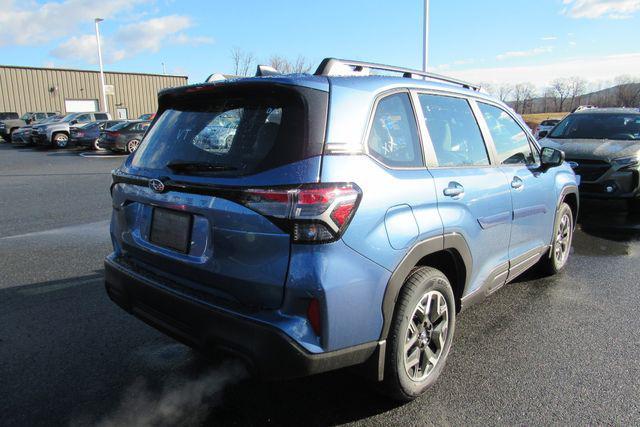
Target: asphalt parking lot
(562, 350)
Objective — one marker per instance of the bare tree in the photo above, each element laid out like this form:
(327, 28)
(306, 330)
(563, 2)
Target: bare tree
(242, 61)
(523, 94)
(561, 89)
(286, 66)
(627, 91)
(504, 91)
(577, 88)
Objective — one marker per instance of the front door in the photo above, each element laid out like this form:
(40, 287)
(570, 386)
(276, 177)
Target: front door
(532, 192)
(473, 194)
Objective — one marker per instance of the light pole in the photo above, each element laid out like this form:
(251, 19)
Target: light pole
(425, 34)
(104, 92)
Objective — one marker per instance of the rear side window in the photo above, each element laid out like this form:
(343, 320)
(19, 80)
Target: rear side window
(511, 142)
(393, 138)
(454, 132)
(236, 130)
(9, 116)
(101, 116)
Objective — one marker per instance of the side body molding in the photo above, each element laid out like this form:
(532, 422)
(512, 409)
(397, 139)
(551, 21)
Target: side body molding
(453, 241)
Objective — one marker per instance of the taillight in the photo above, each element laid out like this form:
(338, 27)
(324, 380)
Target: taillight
(316, 213)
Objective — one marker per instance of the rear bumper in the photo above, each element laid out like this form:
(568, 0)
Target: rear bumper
(112, 143)
(268, 350)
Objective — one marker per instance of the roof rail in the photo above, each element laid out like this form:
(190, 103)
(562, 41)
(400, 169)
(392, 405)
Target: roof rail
(336, 67)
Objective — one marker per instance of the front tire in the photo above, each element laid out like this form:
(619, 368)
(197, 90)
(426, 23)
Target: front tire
(61, 140)
(563, 229)
(421, 334)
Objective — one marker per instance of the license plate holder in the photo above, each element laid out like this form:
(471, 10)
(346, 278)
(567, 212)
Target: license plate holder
(171, 229)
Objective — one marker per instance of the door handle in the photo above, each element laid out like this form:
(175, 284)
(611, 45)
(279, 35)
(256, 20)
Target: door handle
(453, 190)
(517, 183)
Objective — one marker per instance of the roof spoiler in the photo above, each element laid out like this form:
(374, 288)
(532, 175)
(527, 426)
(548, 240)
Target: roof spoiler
(342, 67)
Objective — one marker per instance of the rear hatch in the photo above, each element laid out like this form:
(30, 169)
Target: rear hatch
(197, 202)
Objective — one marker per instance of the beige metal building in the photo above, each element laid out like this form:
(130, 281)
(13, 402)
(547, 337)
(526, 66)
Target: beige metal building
(24, 89)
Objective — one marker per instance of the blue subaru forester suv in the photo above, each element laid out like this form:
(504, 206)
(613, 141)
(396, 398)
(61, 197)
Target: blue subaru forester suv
(311, 222)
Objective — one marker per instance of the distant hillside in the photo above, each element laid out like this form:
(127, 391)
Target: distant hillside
(625, 95)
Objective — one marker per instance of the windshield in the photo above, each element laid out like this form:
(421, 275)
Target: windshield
(237, 133)
(49, 119)
(618, 126)
(68, 118)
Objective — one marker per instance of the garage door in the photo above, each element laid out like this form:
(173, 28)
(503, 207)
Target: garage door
(80, 105)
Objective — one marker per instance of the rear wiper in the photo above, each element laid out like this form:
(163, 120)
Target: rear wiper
(199, 167)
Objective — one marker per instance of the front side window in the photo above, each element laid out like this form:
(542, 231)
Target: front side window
(393, 138)
(511, 142)
(454, 132)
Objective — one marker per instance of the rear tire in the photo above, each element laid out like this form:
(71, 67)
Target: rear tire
(132, 145)
(563, 228)
(421, 334)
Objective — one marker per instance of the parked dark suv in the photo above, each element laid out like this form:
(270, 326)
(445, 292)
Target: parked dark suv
(603, 145)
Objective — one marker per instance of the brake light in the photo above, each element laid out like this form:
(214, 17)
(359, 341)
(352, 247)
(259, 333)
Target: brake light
(313, 214)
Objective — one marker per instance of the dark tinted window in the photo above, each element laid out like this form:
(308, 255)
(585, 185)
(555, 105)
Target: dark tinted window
(9, 116)
(101, 116)
(549, 122)
(82, 118)
(512, 144)
(393, 138)
(454, 132)
(599, 126)
(236, 130)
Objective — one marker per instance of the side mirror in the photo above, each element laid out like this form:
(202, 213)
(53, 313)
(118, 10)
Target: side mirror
(73, 122)
(543, 134)
(550, 157)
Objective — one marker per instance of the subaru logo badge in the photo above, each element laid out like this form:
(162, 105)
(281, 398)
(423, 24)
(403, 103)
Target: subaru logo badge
(156, 185)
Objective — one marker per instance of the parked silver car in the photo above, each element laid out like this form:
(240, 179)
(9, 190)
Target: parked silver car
(57, 133)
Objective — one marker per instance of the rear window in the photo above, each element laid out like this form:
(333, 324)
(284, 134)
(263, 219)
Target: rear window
(235, 130)
(8, 116)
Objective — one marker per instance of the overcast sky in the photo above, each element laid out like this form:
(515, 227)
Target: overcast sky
(483, 41)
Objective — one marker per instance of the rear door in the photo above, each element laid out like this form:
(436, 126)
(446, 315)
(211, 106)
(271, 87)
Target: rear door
(191, 216)
(473, 194)
(532, 190)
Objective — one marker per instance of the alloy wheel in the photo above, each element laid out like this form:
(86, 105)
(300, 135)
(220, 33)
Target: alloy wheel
(426, 335)
(562, 243)
(132, 145)
(61, 140)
